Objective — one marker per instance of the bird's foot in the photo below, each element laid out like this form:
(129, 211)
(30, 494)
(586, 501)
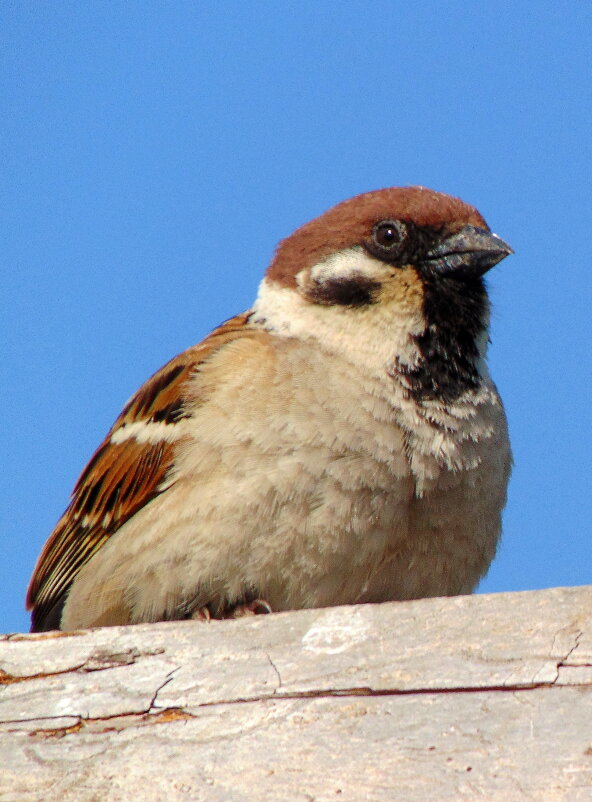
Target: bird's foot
(255, 607)
(201, 614)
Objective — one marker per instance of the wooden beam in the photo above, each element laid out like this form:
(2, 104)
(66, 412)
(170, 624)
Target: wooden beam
(475, 697)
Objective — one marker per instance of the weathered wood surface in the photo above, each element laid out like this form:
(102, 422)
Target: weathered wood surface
(469, 698)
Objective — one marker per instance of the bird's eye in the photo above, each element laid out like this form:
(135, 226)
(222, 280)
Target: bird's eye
(389, 235)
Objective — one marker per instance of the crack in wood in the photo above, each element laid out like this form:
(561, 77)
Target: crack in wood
(152, 715)
(374, 692)
(275, 669)
(15, 637)
(168, 679)
(11, 679)
(564, 661)
(119, 722)
(98, 661)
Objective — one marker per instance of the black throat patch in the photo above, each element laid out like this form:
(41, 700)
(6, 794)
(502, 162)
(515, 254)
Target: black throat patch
(454, 310)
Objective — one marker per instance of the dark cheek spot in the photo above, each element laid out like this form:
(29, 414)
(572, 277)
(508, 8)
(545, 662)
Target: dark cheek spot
(344, 291)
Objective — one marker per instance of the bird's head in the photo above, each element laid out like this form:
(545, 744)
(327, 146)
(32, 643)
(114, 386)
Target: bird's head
(395, 274)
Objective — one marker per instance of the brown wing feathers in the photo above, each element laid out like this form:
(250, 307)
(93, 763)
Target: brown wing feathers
(120, 478)
(116, 483)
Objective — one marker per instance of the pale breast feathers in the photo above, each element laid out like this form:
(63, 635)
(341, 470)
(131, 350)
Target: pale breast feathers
(129, 469)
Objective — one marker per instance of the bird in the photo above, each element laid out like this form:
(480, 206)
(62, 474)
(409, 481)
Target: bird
(341, 442)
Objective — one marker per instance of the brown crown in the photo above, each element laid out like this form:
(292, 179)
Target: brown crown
(351, 222)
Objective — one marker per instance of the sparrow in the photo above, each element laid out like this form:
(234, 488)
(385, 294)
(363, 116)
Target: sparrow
(341, 442)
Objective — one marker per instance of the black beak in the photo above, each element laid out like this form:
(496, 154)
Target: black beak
(470, 252)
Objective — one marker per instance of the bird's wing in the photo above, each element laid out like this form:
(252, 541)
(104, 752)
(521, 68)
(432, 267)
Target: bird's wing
(130, 467)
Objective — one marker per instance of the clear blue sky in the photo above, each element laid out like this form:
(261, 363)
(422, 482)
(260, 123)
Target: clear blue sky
(153, 153)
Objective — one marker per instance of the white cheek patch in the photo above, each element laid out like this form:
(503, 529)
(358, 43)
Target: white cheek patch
(343, 265)
(372, 342)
